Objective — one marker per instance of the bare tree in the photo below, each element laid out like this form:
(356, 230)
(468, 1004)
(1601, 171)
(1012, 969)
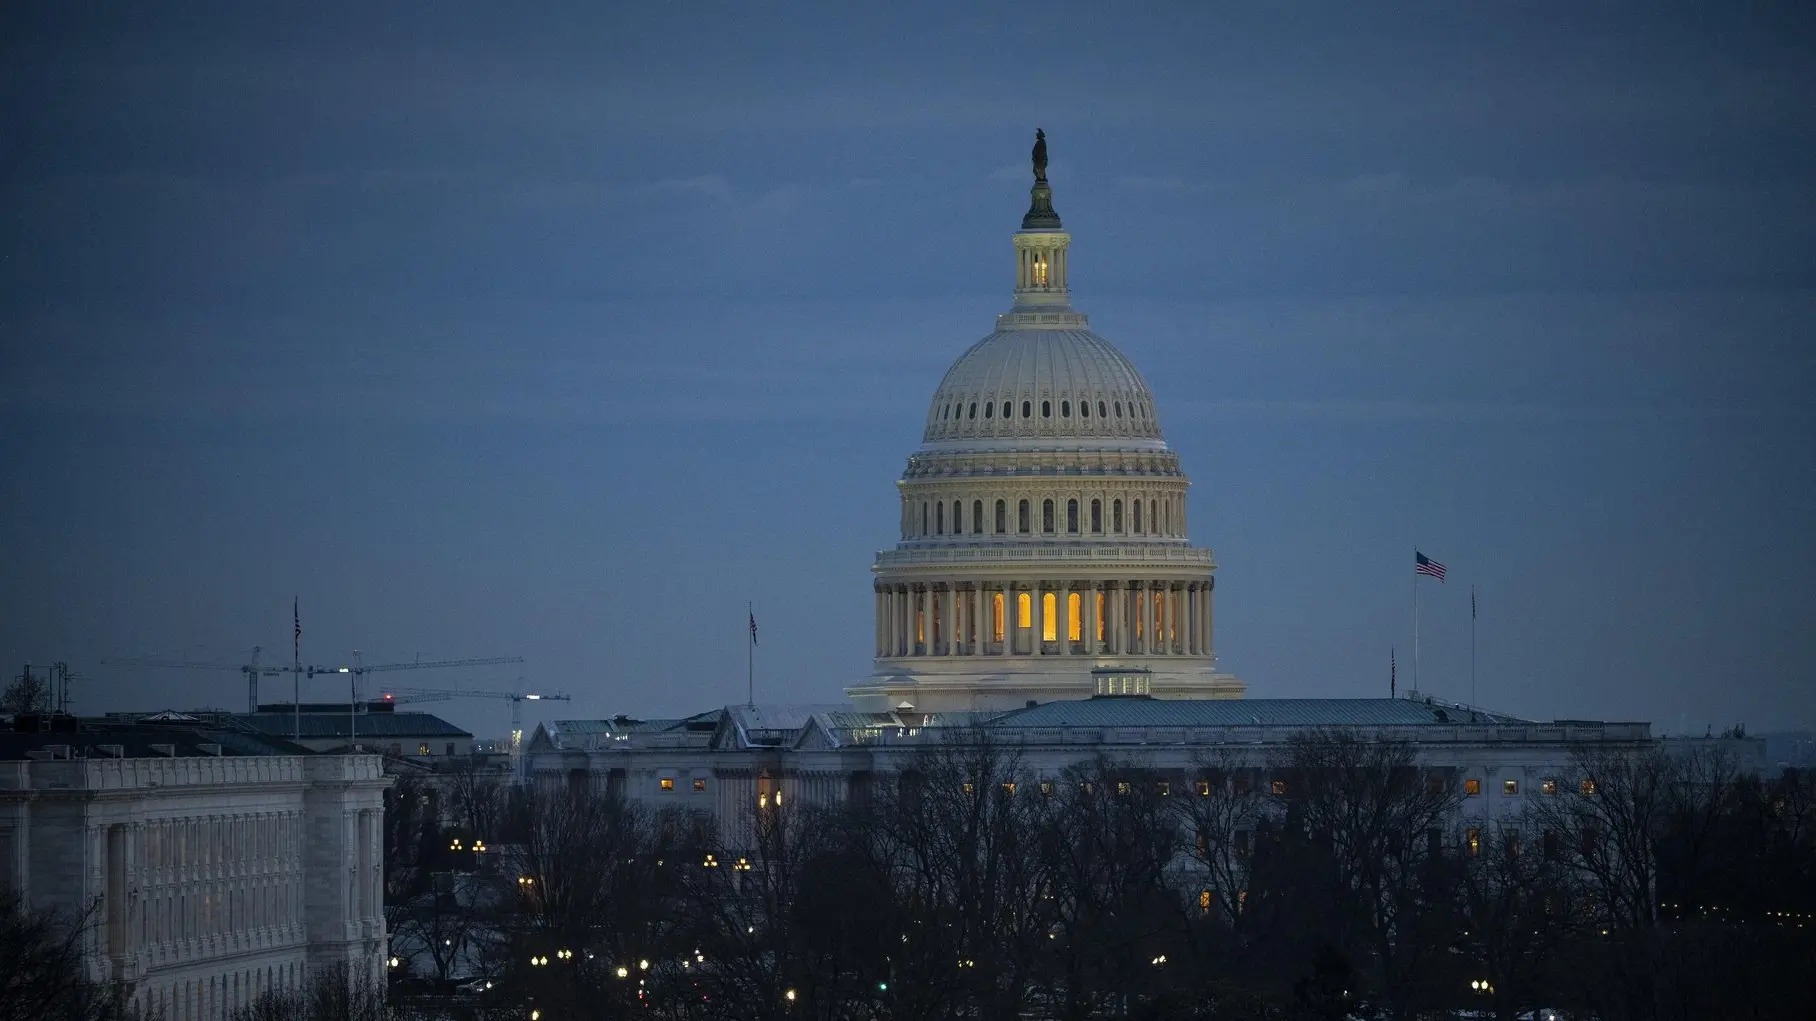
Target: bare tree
(478, 798)
(592, 885)
(42, 972)
(1219, 813)
(1372, 806)
(1604, 823)
(959, 835)
(28, 693)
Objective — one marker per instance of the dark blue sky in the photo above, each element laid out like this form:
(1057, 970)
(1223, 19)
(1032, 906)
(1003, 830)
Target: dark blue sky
(565, 335)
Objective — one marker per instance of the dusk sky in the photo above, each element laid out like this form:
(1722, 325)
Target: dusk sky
(564, 334)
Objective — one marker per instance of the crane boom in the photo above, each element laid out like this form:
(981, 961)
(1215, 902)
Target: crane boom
(517, 699)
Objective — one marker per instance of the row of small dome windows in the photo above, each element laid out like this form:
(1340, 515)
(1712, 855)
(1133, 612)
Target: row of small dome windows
(1136, 411)
(1159, 517)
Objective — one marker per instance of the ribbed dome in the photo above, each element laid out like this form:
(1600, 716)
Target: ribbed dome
(1043, 385)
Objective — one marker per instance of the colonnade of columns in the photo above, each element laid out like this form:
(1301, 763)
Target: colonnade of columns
(1044, 618)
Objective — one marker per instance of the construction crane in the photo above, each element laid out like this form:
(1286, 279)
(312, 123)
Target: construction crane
(516, 698)
(254, 671)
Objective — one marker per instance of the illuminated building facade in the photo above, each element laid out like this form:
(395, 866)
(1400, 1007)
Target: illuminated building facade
(1043, 520)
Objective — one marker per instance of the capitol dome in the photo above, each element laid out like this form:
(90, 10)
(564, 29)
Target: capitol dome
(1043, 551)
(1050, 386)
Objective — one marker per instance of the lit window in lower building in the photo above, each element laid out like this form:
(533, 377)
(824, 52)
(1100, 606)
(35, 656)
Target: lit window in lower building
(1046, 788)
(699, 784)
(667, 783)
(1009, 788)
(1510, 786)
(1122, 787)
(1204, 900)
(970, 787)
(1163, 788)
(1279, 787)
(1548, 787)
(1472, 787)
(1204, 788)
(422, 749)
(1474, 839)
(1588, 786)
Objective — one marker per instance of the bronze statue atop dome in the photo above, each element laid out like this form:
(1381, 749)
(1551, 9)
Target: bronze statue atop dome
(1040, 155)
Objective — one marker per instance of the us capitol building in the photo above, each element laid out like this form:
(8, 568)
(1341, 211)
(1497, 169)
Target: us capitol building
(1043, 594)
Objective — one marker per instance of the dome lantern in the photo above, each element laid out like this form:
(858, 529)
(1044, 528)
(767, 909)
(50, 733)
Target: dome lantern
(1040, 245)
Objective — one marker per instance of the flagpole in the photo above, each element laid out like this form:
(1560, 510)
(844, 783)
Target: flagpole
(1415, 620)
(296, 671)
(1472, 645)
(750, 656)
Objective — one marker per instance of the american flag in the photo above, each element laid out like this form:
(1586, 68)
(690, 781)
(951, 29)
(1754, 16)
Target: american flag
(1422, 564)
(296, 613)
(753, 627)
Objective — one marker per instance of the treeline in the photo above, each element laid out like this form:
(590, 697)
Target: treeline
(1339, 880)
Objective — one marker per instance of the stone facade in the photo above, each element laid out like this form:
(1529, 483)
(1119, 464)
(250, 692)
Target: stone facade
(211, 878)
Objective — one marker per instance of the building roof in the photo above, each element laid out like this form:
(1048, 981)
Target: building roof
(1289, 712)
(92, 739)
(317, 726)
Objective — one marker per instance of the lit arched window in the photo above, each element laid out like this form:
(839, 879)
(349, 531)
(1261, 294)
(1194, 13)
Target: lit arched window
(1137, 517)
(996, 616)
(1049, 617)
(1027, 409)
(989, 409)
(973, 409)
(1046, 409)
(1024, 609)
(1096, 515)
(1021, 517)
(1065, 409)
(977, 517)
(1098, 616)
(1046, 516)
(1072, 516)
(1100, 410)
(939, 519)
(1002, 517)
(1075, 625)
(1116, 516)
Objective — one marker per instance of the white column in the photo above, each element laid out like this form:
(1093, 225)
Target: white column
(1087, 614)
(1207, 596)
(1114, 594)
(889, 620)
(1035, 617)
(949, 617)
(977, 618)
(1064, 631)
